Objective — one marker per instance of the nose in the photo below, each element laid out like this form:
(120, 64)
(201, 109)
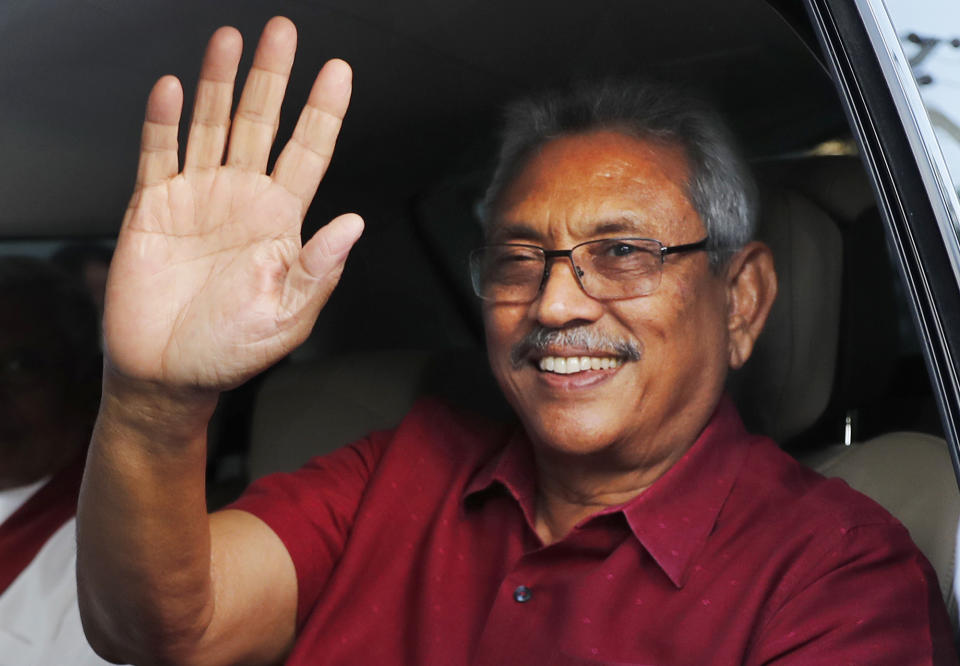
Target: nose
(562, 301)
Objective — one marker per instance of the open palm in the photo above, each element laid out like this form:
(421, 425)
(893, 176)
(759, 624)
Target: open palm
(209, 282)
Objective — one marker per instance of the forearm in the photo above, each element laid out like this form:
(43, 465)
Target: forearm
(143, 536)
(210, 283)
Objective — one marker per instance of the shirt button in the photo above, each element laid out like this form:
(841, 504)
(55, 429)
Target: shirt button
(522, 594)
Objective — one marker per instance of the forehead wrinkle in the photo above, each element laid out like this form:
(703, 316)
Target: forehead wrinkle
(582, 222)
(630, 191)
(588, 189)
(626, 225)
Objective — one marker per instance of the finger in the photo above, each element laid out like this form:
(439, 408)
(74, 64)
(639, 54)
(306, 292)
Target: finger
(305, 158)
(211, 110)
(258, 113)
(331, 244)
(311, 280)
(158, 143)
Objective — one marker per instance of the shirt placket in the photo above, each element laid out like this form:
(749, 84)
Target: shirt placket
(525, 623)
(514, 624)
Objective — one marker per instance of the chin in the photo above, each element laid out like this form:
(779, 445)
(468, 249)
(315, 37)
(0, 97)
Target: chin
(569, 431)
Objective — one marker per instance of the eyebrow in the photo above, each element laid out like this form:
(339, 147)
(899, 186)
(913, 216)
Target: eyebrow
(620, 225)
(522, 231)
(513, 231)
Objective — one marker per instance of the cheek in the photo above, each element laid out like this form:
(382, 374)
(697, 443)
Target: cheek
(503, 326)
(675, 325)
(499, 329)
(701, 338)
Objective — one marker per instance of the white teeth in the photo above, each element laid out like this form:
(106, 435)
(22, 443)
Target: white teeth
(566, 366)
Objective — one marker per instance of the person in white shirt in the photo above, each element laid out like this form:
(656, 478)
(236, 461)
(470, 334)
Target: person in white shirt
(49, 390)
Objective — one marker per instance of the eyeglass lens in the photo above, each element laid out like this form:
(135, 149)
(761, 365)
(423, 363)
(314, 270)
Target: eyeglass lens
(608, 269)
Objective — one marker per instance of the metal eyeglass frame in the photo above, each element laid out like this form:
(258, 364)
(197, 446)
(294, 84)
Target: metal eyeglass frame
(577, 271)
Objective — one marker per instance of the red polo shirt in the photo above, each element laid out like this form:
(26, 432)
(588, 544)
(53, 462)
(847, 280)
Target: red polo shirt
(417, 546)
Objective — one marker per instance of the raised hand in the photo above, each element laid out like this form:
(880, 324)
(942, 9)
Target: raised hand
(209, 282)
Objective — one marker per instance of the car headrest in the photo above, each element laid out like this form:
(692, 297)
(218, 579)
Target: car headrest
(837, 184)
(785, 386)
(308, 408)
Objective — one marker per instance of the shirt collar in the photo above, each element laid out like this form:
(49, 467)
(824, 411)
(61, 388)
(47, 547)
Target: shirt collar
(514, 469)
(12, 499)
(673, 518)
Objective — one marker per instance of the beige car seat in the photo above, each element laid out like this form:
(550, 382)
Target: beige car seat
(789, 381)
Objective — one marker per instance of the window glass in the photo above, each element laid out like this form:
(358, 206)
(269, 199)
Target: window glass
(929, 32)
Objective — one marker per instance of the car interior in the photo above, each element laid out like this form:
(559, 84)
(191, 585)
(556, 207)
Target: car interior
(837, 378)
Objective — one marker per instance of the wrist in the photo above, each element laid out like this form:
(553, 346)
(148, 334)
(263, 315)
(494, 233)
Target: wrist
(156, 411)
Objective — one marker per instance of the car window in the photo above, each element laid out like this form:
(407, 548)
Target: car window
(929, 33)
(923, 119)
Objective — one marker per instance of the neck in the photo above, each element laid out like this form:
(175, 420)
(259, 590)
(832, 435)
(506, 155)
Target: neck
(573, 488)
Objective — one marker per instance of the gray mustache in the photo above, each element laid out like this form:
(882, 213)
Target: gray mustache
(582, 337)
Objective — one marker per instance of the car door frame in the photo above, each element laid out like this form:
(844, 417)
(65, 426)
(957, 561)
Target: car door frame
(920, 222)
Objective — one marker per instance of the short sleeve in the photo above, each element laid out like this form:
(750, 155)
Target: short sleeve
(873, 599)
(312, 510)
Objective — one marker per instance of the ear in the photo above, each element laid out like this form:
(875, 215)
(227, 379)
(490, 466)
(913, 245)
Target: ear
(751, 283)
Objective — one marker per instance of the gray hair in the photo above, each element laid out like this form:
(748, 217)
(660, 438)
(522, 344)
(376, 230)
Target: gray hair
(720, 187)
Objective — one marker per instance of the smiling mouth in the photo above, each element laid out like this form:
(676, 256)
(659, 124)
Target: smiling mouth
(568, 365)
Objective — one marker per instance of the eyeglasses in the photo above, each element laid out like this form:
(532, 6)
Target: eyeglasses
(607, 269)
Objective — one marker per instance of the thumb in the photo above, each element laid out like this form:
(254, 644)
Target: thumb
(325, 253)
(311, 280)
